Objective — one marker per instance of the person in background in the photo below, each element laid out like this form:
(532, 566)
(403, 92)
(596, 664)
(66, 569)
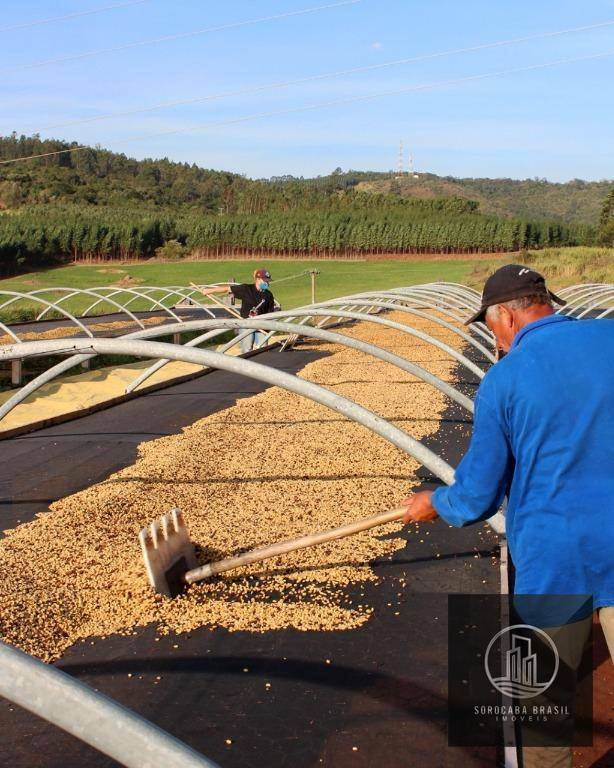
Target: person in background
(542, 435)
(256, 299)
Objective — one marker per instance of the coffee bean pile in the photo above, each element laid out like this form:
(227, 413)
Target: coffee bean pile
(271, 467)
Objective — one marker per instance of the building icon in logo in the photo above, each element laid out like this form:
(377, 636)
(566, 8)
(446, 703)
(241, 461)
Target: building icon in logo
(521, 662)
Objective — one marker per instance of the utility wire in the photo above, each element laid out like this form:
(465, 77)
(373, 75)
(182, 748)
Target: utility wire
(324, 76)
(292, 277)
(40, 22)
(179, 36)
(333, 103)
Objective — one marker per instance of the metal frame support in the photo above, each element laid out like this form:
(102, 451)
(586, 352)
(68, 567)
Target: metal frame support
(315, 333)
(70, 292)
(340, 313)
(386, 305)
(90, 716)
(146, 349)
(242, 367)
(17, 295)
(307, 314)
(16, 373)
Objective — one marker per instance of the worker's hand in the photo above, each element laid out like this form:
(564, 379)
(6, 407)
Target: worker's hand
(419, 508)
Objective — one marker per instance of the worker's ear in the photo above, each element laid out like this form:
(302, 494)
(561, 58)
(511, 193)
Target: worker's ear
(506, 316)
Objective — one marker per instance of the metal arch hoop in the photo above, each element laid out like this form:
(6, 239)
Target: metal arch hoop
(391, 296)
(136, 295)
(257, 371)
(329, 311)
(471, 292)
(426, 302)
(65, 365)
(419, 313)
(571, 290)
(469, 303)
(435, 301)
(78, 292)
(440, 299)
(10, 332)
(577, 303)
(607, 294)
(408, 293)
(453, 297)
(316, 333)
(460, 297)
(18, 295)
(90, 716)
(144, 292)
(185, 293)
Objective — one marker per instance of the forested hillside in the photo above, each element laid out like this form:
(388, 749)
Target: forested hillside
(95, 204)
(573, 202)
(99, 177)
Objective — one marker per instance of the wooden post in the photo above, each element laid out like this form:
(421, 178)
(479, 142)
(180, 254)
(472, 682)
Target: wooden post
(16, 373)
(313, 273)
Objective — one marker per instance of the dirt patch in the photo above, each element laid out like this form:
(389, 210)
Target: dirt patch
(127, 281)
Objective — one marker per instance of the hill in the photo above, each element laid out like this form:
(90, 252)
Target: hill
(95, 176)
(576, 201)
(94, 204)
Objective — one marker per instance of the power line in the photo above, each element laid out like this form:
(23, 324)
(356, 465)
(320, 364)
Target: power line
(40, 22)
(324, 76)
(333, 103)
(179, 36)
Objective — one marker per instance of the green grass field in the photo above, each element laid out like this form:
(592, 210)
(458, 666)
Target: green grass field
(336, 278)
(561, 267)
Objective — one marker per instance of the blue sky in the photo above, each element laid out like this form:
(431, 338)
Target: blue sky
(556, 123)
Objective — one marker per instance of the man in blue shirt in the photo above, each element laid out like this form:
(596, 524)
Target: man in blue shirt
(543, 436)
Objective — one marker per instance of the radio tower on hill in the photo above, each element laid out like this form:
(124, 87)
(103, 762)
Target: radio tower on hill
(401, 165)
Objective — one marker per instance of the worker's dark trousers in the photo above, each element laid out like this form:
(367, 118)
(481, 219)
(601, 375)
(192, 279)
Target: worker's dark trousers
(570, 646)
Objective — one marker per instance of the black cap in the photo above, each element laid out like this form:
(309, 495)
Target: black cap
(513, 281)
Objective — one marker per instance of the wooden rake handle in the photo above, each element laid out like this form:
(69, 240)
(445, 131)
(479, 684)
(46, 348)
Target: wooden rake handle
(283, 547)
(231, 310)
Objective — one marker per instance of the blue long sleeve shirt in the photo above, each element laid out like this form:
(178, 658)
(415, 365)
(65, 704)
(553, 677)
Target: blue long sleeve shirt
(544, 434)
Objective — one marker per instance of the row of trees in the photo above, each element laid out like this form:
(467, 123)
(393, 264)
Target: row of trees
(42, 235)
(372, 232)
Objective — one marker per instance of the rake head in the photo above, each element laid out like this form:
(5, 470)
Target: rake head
(168, 553)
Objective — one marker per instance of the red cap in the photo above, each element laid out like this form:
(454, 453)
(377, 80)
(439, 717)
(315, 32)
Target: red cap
(263, 274)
